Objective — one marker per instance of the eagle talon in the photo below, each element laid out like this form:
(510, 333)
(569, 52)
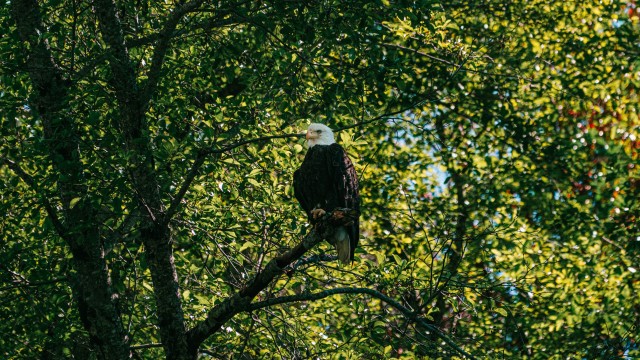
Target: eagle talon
(317, 213)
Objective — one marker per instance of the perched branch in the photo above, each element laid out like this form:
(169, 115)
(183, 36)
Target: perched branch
(411, 315)
(310, 260)
(241, 301)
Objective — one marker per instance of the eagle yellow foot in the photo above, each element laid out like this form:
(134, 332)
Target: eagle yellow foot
(317, 213)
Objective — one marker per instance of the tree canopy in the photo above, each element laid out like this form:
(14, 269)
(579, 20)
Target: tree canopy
(146, 165)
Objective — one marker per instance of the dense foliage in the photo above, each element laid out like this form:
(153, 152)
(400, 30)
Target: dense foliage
(148, 148)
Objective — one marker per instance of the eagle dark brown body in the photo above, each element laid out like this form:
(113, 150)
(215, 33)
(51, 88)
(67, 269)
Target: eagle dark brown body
(326, 180)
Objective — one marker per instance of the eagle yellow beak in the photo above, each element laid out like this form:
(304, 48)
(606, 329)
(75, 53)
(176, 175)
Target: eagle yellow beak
(308, 137)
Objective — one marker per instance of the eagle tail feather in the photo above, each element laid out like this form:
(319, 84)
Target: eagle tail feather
(343, 245)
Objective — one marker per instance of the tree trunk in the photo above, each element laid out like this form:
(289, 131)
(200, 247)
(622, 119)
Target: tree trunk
(154, 228)
(80, 228)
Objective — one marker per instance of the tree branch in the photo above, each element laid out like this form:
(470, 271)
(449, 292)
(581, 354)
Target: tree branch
(145, 346)
(175, 203)
(123, 78)
(118, 234)
(449, 63)
(57, 224)
(384, 116)
(204, 25)
(311, 260)
(240, 301)
(164, 38)
(33, 284)
(374, 293)
(156, 235)
(199, 161)
(249, 141)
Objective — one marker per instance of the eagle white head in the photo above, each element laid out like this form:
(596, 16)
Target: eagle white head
(318, 134)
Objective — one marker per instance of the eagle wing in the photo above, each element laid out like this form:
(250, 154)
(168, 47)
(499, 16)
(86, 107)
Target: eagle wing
(345, 183)
(298, 191)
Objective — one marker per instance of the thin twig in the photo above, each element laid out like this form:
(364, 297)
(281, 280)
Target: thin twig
(145, 346)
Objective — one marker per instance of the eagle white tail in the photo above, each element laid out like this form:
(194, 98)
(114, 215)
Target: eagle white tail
(343, 245)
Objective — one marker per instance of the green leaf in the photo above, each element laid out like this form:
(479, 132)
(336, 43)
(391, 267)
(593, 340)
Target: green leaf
(501, 311)
(247, 245)
(73, 202)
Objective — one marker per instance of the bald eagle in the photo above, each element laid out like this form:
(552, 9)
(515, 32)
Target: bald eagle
(327, 180)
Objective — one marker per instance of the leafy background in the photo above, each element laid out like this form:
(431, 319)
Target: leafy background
(496, 144)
